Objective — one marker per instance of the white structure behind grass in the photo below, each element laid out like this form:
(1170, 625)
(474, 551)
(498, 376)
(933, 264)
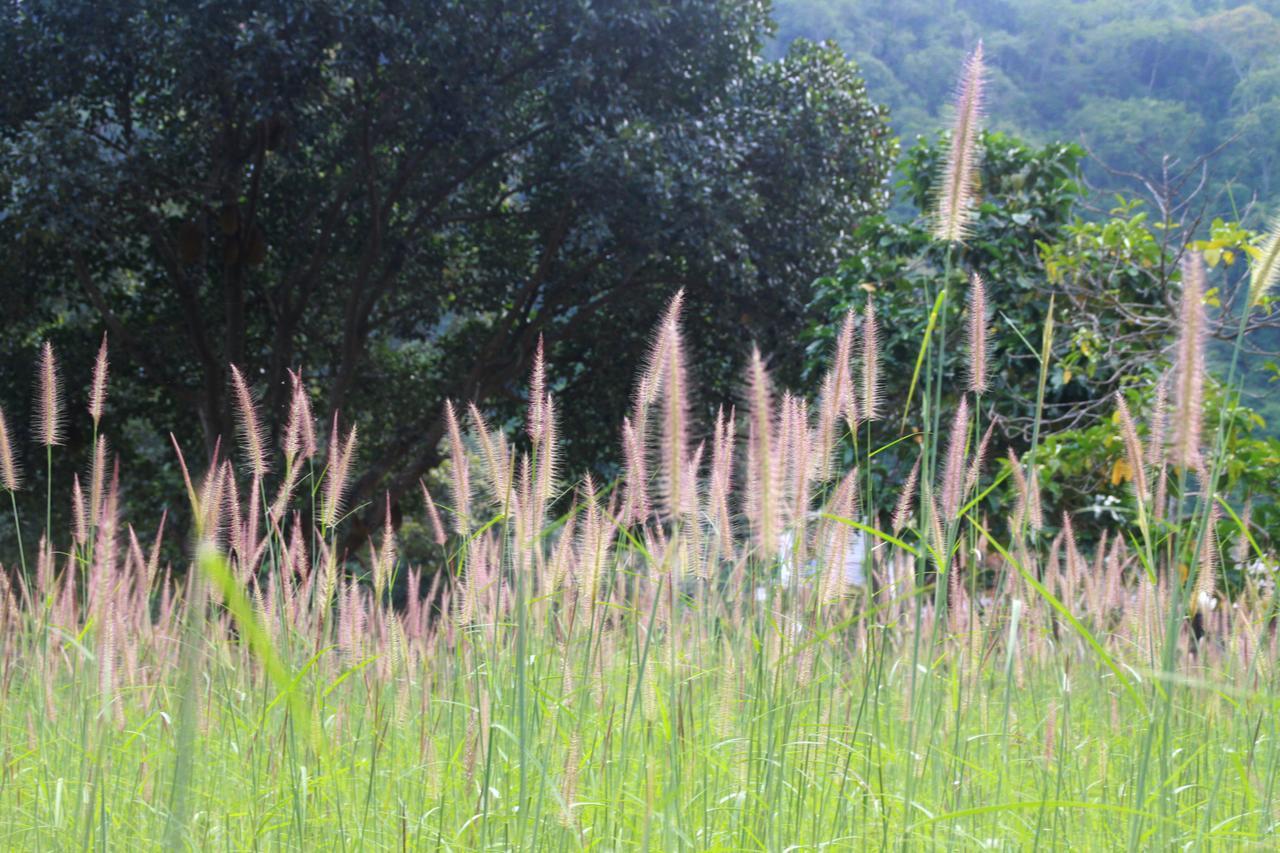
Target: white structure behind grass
(854, 560)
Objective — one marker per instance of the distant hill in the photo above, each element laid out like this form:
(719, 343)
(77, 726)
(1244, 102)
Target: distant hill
(1134, 80)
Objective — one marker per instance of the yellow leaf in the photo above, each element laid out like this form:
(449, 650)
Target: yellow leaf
(1121, 472)
(1066, 376)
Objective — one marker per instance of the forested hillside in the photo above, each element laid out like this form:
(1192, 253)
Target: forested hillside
(1134, 81)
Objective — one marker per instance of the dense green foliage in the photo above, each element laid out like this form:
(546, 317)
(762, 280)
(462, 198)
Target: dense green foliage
(1135, 81)
(408, 196)
(1113, 280)
(1029, 198)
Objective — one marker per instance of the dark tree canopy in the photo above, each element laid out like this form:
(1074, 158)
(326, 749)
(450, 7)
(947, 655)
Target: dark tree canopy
(401, 197)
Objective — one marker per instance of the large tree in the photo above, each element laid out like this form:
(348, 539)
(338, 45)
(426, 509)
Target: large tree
(401, 197)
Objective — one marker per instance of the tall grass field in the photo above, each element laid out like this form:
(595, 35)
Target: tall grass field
(724, 649)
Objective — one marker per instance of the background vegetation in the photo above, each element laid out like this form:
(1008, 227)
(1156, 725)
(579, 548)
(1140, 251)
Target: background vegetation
(396, 199)
(1135, 82)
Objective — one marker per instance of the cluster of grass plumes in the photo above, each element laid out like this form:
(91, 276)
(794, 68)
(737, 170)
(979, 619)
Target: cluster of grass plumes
(721, 650)
(684, 658)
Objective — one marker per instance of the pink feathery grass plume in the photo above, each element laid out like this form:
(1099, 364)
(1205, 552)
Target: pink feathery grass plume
(794, 471)
(1027, 508)
(839, 539)
(152, 567)
(235, 521)
(548, 470)
(341, 454)
(213, 490)
(1158, 423)
(721, 485)
(762, 474)
(663, 380)
(1161, 500)
(284, 494)
(594, 541)
(461, 471)
(302, 402)
(952, 486)
(1189, 367)
(1075, 561)
(192, 496)
(10, 470)
(299, 443)
(539, 480)
(251, 544)
(957, 191)
(941, 556)
(251, 434)
(870, 363)
(1207, 576)
(675, 411)
(79, 512)
(48, 408)
(494, 452)
(637, 507)
(384, 562)
(837, 400)
(537, 415)
(1132, 448)
(299, 431)
(978, 459)
(291, 442)
(902, 511)
(433, 515)
(1035, 508)
(650, 383)
(569, 785)
(977, 335)
(98, 387)
(97, 478)
(1265, 271)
